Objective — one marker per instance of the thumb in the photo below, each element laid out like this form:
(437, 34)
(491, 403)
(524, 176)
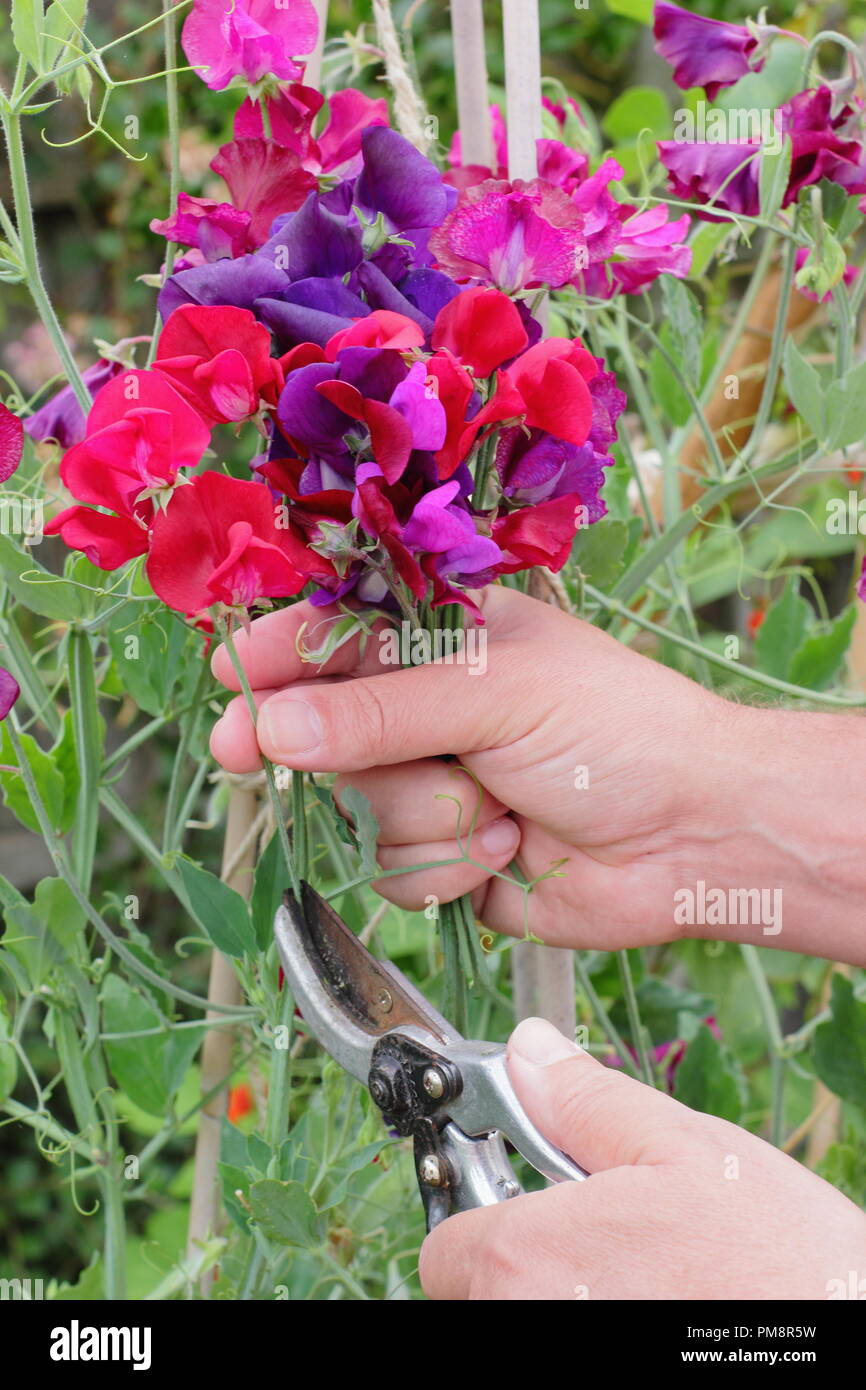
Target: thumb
(344, 726)
(599, 1116)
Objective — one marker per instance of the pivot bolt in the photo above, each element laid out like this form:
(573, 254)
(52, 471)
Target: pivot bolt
(431, 1171)
(434, 1083)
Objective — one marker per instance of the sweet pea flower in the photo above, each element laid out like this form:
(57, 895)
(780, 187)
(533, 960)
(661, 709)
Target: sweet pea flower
(212, 229)
(219, 540)
(140, 433)
(861, 582)
(11, 442)
(708, 53)
(482, 328)
(513, 236)
(9, 691)
(248, 40)
(336, 150)
(222, 383)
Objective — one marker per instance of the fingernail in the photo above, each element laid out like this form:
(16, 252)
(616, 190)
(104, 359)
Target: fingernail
(290, 726)
(537, 1041)
(500, 836)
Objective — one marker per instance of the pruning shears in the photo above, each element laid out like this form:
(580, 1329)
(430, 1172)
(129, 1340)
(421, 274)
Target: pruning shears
(452, 1095)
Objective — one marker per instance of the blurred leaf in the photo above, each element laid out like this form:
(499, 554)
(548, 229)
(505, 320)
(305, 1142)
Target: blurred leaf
(775, 172)
(821, 655)
(707, 1079)
(661, 1005)
(48, 779)
(218, 909)
(598, 551)
(60, 24)
(56, 907)
(365, 826)
(846, 408)
(35, 586)
(269, 884)
(88, 1288)
(705, 243)
(286, 1213)
(782, 631)
(637, 109)
(8, 1059)
(28, 21)
(138, 1064)
(839, 1046)
(685, 319)
(66, 762)
(641, 10)
(804, 388)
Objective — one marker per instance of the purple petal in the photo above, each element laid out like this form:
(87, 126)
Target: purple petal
(314, 242)
(398, 181)
(9, 692)
(240, 282)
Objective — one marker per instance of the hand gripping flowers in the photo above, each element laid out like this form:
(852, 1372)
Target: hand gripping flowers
(420, 438)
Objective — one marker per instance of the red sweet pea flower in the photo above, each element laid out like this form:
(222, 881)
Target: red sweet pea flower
(454, 387)
(381, 329)
(140, 432)
(222, 383)
(219, 541)
(482, 328)
(551, 378)
(11, 442)
(539, 535)
(292, 111)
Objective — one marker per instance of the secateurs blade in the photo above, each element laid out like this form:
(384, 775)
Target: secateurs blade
(451, 1094)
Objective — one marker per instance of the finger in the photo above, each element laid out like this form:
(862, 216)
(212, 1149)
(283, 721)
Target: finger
(599, 1116)
(233, 739)
(397, 717)
(271, 651)
(449, 1255)
(423, 800)
(492, 849)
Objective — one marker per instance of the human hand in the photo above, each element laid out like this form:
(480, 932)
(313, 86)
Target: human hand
(679, 1205)
(640, 781)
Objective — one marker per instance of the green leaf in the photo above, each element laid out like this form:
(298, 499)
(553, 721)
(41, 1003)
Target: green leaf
(705, 243)
(598, 551)
(839, 1046)
(269, 884)
(60, 23)
(707, 1079)
(822, 654)
(637, 109)
(35, 587)
(48, 779)
(27, 24)
(8, 1059)
(56, 906)
(364, 825)
(846, 408)
(218, 909)
(684, 317)
(804, 388)
(285, 1213)
(66, 762)
(773, 179)
(88, 1288)
(661, 1007)
(823, 268)
(782, 632)
(641, 10)
(138, 1064)
(326, 797)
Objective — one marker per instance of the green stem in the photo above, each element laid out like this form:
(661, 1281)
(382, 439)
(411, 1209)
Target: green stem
(280, 1078)
(30, 257)
(778, 1061)
(172, 824)
(88, 753)
(634, 1019)
(601, 1014)
(800, 692)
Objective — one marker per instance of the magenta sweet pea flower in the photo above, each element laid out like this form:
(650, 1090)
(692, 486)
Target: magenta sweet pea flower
(9, 691)
(514, 236)
(11, 442)
(706, 53)
(249, 40)
(861, 583)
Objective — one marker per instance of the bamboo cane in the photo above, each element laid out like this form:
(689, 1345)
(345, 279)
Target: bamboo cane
(216, 1053)
(543, 976)
(470, 71)
(313, 69)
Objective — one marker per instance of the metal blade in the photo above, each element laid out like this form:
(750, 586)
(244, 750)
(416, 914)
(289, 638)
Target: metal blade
(346, 997)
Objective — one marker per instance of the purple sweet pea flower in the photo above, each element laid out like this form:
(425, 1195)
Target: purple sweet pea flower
(9, 691)
(248, 40)
(706, 53)
(61, 417)
(240, 283)
(398, 182)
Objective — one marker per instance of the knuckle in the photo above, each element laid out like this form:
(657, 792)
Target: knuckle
(368, 717)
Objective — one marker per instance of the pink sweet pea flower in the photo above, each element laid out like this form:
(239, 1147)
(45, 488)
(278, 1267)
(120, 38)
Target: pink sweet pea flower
(381, 329)
(514, 236)
(706, 53)
(211, 228)
(222, 383)
(264, 180)
(248, 40)
(140, 433)
(336, 151)
(9, 691)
